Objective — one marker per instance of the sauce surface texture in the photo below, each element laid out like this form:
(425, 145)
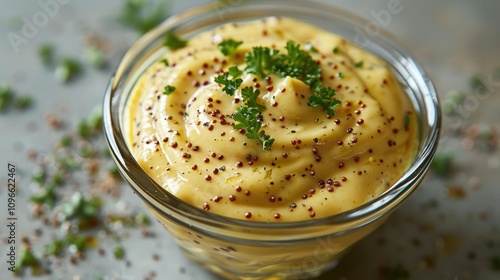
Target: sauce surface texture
(318, 165)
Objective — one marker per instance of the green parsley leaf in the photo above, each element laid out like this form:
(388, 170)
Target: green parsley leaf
(260, 61)
(67, 70)
(5, 96)
(298, 64)
(250, 99)
(142, 15)
(90, 126)
(249, 117)
(173, 42)
(324, 98)
(336, 50)
(229, 46)
(22, 102)
(78, 207)
(165, 62)
(119, 252)
(341, 75)
(441, 163)
(55, 248)
(168, 89)
(230, 85)
(27, 259)
(46, 54)
(234, 71)
(47, 197)
(96, 57)
(359, 64)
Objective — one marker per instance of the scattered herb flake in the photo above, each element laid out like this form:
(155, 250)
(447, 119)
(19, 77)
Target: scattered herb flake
(119, 252)
(229, 46)
(22, 102)
(442, 163)
(46, 197)
(78, 207)
(164, 61)
(142, 15)
(359, 64)
(96, 57)
(46, 54)
(67, 69)
(173, 42)
(336, 50)
(5, 96)
(168, 89)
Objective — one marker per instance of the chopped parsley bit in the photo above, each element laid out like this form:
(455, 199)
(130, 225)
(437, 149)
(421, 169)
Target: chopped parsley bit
(407, 121)
(5, 96)
(341, 75)
(140, 16)
(38, 176)
(249, 118)
(22, 102)
(96, 57)
(47, 197)
(76, 243)
(46, 54)
(28, 259)
(476, 82)
(168, 89)
(114, 172)
(91, 126)
(165, 62)
(359, 64)
(67, 69)
(80, 208)
(442, 163)
(234, 71)
(69, 163)
(324, 98)
(119, 252)
(454, 99)
(129, 220)
(230, 85)
(173, 42)
(55, 248)
(229, 46)
(311, 48)
(65, 141)
(336, 50)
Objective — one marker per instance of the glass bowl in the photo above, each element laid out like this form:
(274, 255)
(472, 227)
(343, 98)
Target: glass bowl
(239, 249)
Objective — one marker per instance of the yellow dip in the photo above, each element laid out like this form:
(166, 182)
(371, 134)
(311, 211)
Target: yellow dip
(318, 165)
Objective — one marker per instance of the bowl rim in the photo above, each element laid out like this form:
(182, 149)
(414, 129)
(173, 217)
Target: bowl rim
(161, 200)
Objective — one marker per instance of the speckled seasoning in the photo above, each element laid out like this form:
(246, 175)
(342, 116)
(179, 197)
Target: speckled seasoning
(352, 153)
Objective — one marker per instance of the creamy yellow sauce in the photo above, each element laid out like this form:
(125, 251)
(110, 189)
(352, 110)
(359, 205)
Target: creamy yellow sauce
(318, 165)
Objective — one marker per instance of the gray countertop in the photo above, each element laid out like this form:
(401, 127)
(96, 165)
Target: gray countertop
(448, 229)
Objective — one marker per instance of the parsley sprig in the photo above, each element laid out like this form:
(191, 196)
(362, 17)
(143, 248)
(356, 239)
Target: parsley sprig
(229, 46)
(230, 85)
(297, 64)
(324, 98)
(249, 118)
